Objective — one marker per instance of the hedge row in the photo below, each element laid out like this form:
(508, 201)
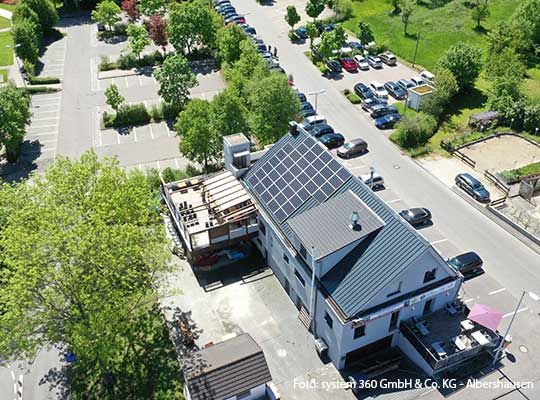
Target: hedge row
(137, 114)
(129, 61)
(38, 80)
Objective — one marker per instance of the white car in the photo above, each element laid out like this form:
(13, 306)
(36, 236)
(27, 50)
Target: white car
(417, 80)
(378, 89)
(378, 181)
(428, 77)
(309, 122)
(362, 63)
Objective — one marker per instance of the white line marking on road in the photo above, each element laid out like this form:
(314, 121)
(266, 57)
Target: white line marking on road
(35, 135)
(176, 162)
(439, 241)
(140, 81)
(41, 127)
(393, 201)
(135, 134)
(118, 138)
(158, 166)
(169, 133)
(468, 300)
(127, 82)
(151, 131)
(45, 118)
(517, 312)
(496, 291)
(359, 167)
(47, 141)
(12, 374)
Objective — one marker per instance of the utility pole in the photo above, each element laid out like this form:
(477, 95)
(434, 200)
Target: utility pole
(416, 48)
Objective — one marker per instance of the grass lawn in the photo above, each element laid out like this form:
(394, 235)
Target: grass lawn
(4, 74)
(9, 7)
(4, 23)
(6, 55)
(531, 169)
(440, 27)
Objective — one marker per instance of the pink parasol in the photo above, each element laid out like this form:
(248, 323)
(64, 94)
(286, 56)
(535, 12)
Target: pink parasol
(485, 316)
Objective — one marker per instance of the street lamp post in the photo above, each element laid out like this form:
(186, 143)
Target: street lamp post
(316, 94)
(19, 66)
(371, 173)
(534, 297)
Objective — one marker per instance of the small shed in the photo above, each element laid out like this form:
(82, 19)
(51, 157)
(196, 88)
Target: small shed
(484, 119)
(418, 94)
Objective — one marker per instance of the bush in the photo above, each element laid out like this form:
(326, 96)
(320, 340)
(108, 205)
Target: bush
(107, 65)
(164, 111)
(38, 80)
(353, 98)
(414, 130)
(128, 61)
(128, 114)
(29, 67)
(40, 89)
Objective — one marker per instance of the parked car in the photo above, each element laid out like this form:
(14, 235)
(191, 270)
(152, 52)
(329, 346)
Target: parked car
(416, 216)
(261, 48)
(428, 77)
(361, 61)
(310, 122)
(355, 45)
(350, 148)
(382, 110)
(250, 30)
(417, 80)
(306, 105)
(301, 33)
(378, 181)
(333, 65)
(467, 263)
(332, 140)
(394, 90)
(374, 62)
(321, 130)
(226, 8)
(239, 19)
(229, 14)
(388, 58)
(379, 90)
(405, 84)
(362, 91)
(472, 186)
(326, 28)
(369, 103)
(219, 2)
(277, 68)
(301, 96)
(349, 64)
(101, 27)
(388, 121)
(303, 114)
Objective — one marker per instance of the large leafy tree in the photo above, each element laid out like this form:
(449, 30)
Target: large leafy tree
(314, 8)
(151, 7)
(364, 33)
(14, 116)
(250, 66)
(312, 32)
(480, 12)
(46, 12)
(507, 62)
(198, 139)
(131, 9)
(175, 78)
(527, 16)
(113, 96)
(190, 24)
(107, 13)
(26, 36)
(230, 39)
(82, 248)
(138, 38)
(464, 61)
(331, 41)
(157, 30)
(229, 113)
(272, 105)
(292, 17)
(509, 35)
(23, 13)
(409, 6)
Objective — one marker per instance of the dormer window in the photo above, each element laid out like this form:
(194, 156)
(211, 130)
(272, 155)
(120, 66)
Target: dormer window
(430, 275)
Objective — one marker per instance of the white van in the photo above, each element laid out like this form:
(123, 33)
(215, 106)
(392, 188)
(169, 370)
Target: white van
(378, 89)
(418, 80)
(428, 77)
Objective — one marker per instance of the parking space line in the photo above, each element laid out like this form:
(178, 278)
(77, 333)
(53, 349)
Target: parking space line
(393, 201)
(517, 312)
(118, 138)
(45, 118)
(151, 131)
(439, 241)
(41, 127)
(468, 300)
(140, 80)
(158, 166)
(127, 82)
(135, 134)
(48, 141)
(176, 162)
(496, 291)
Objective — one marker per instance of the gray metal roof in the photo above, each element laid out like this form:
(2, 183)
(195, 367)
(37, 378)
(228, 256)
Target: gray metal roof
(378, 259)
(226, 369)
(327, 227)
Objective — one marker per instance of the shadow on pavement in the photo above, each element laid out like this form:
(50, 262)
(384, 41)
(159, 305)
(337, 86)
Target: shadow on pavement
(25, 165)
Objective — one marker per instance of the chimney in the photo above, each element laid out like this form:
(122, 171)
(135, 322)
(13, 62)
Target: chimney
(293, 128)
(355, 219)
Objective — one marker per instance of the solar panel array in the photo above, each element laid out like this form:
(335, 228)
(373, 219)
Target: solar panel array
(295, 174)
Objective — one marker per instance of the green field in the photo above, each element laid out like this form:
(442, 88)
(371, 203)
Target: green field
(4, 74)
(6, 55)
(440, 27)
(4, 23)
(8, 7)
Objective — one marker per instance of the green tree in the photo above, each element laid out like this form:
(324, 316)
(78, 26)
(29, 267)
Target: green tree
(314, 8)
(527, 17)
(23, 13)
(46, 12)
(82, 255)
(342, 8)
(505, 92)
(480, 12)
(312, 32)
(26, 39)
(509, 35)
(250, 66)
(107, 13)
(292, 17)
(507, 62)
(14, 116)
(190, 24)
(229, 113)
(446, 87)
(138, 38)
(464, 61)
(414, 130)
(175, 78)
(272, 105)
(113, 96)
(151, 7)
(230, 39)
(332, 41)
(198, 139)
(409, 6)
(364, 33)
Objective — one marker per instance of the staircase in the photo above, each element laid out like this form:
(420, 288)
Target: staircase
(304, 317)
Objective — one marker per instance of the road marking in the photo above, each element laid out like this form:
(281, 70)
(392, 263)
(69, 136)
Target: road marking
(47, 141)
(496, 291)
(140, 82)
(127, 82)
(12, 374)
(393, 201)
(118, 138)
(33, 135)
(158, 166)
(359, 167)
(45, 119)
(135, 134)
(468, 300)
(439, 241)
(41, 127)
(517, 312)
(168, 130)
(176, 162)
(151, 131)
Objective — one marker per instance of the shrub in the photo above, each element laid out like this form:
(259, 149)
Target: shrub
(164, 111)
(29, 67)
(107, 65)
(40, 89)
(38, 80)
(128, 114)
(414, 130)
(128, 61)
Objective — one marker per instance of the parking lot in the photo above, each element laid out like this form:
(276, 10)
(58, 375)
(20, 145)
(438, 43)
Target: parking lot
(52, 61)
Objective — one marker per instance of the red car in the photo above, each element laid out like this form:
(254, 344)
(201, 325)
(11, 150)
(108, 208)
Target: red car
(349, 64)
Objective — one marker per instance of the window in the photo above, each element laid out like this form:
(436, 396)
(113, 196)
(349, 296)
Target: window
(359, 331)
(262, 228)
(285, 258)
(243, 395)
(430, 275)
(303, 252)
(427, 307)
(394, 320)
(328, 320)
(395, 289)
(299, 277)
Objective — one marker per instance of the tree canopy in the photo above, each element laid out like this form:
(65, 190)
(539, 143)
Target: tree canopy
(314, 8)
(230, 39)
(292, 17)
(464, 61)
(15, 115)
(113, 96)
(175, 78)
(107, 13)
(46, 12)
(157, 30)
(364, 33)
(138, 38)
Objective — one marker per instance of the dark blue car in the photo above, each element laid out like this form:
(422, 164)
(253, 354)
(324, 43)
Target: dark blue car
(473, 187)
(302, 33)
(332, 140)
(388, 121)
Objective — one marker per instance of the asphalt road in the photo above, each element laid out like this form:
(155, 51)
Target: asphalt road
(507, 259)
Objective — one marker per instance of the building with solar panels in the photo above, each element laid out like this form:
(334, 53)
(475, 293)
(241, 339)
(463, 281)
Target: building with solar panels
(354, 269)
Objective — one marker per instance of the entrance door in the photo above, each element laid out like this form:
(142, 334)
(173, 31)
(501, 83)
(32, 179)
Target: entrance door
(363, 352)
